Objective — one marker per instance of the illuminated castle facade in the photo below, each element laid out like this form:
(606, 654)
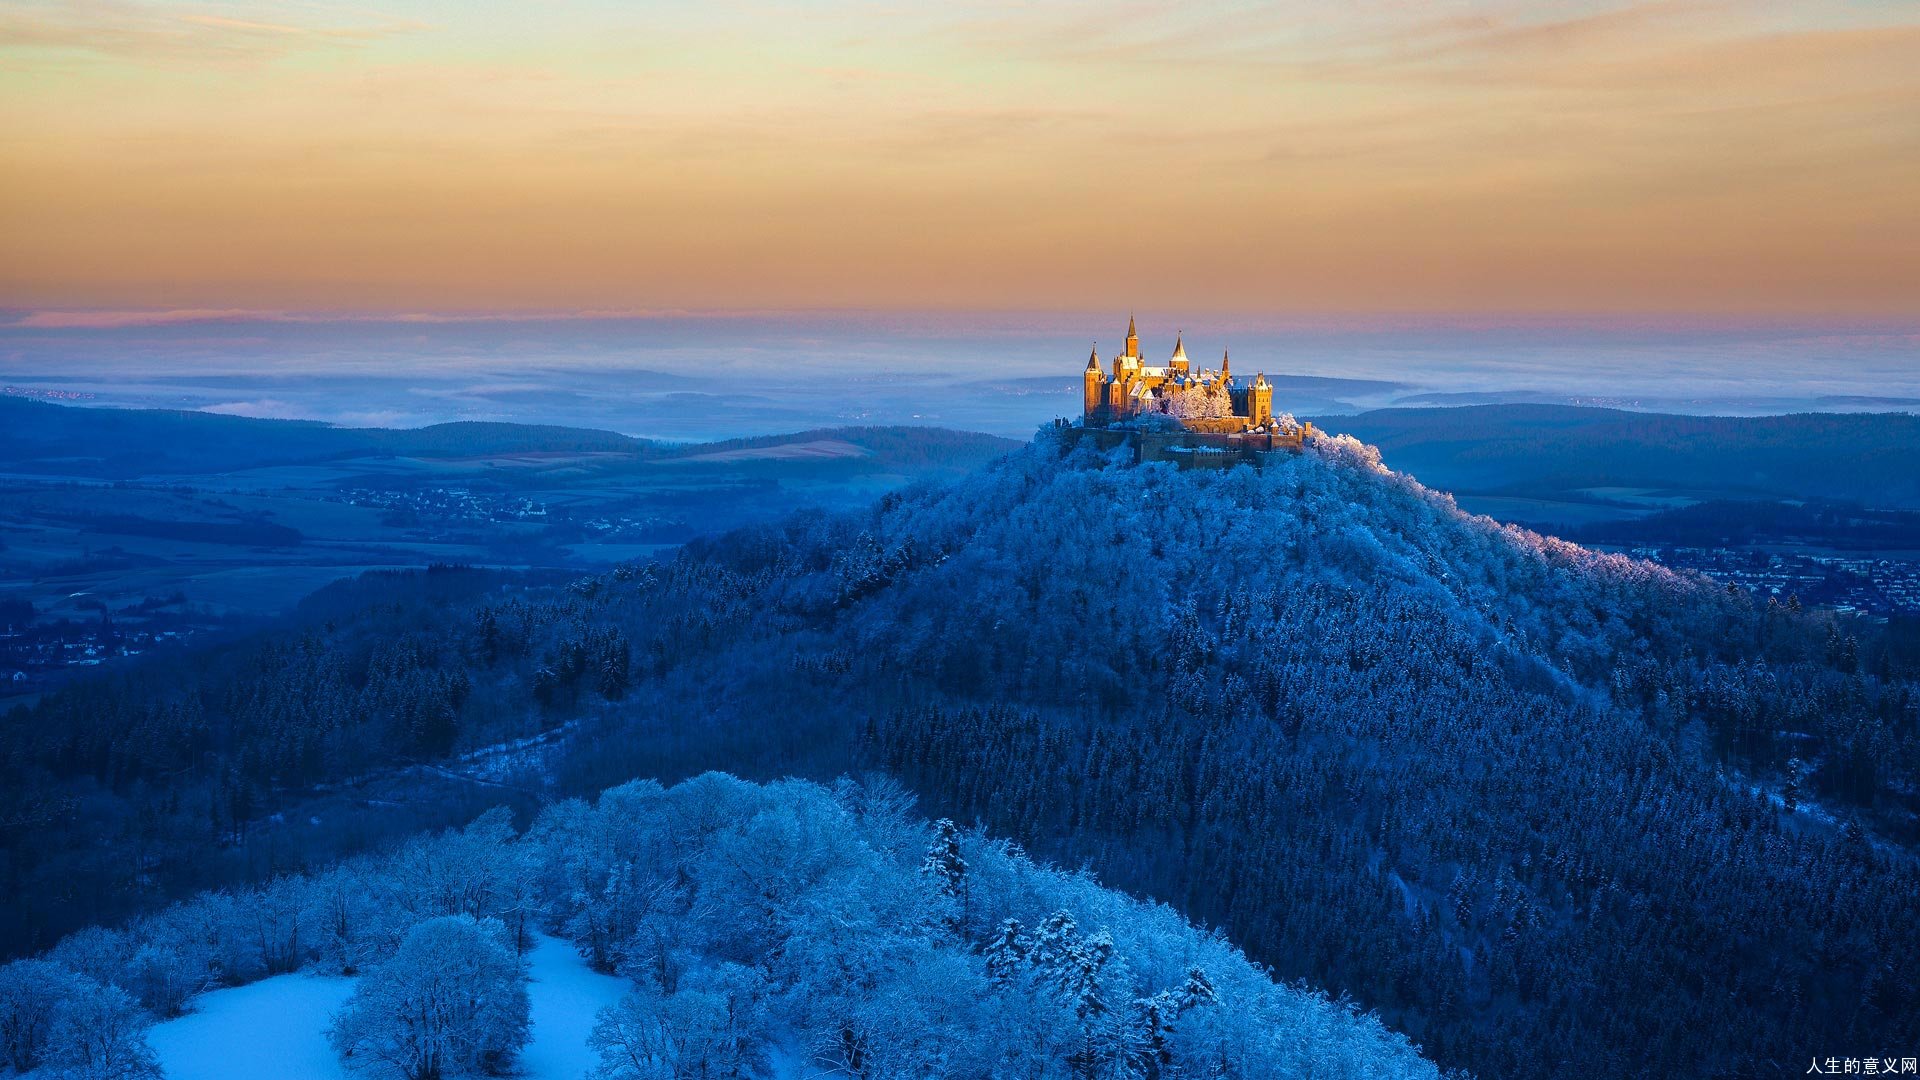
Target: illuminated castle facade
(1203, 401)
(1194, 419)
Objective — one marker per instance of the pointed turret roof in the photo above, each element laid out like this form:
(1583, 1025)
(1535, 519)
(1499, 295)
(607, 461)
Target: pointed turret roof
(1226, 363)
(1131, 332)
(1179, 346)
(1093, 358)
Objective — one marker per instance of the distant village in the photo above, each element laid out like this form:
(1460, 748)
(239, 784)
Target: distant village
(1872, 586)
(406, 506)
(444, 503)
(36, 652)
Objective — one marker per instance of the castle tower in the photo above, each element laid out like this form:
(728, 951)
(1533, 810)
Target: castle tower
(1133, 339)
(1226, 368)
(1095, 384)
(1260, 402)
(1178, 365)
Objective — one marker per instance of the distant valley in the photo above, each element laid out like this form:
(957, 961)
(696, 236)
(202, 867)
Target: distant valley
(126, 531)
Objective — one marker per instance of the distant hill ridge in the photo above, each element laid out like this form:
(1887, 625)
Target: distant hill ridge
(38, 437)
(1872, 458)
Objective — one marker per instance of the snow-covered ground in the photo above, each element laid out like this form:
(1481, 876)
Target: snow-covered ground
(276, 1027)
(566, 994)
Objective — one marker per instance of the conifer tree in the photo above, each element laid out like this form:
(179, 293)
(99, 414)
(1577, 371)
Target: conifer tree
(945, 867)
(1008, 954)
(1196, 991)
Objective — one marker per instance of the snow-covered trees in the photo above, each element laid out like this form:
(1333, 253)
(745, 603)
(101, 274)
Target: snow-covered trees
(1006, 954)
(31, 994)
(99, 1033)
(1154, 1023)
(70, 1026)
(1196, 401)
(451, 1002)
(760, 925)
(710, 1028)
(475, 871)
(946, 868)
(346, 917)
(86, 1003)
(795, 931)
(1235, 683)
(275, 924)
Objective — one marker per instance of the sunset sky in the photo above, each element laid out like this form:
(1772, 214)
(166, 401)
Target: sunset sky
(1722, 159)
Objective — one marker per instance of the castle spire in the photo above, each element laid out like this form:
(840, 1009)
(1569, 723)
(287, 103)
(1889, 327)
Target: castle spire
(1094, 384)
(1179, 345)
(1133, 338)
(1226, 365)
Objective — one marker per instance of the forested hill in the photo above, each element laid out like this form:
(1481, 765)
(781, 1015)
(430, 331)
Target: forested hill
(1548, 811)
(1872, 458)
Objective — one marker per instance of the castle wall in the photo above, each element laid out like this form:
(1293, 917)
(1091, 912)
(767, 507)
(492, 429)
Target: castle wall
(1205, 457)
(1104, 439)
(1154, 446)
(1193, 449)
(1223, 425)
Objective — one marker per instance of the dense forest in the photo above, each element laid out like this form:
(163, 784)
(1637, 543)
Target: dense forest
(1545, 810)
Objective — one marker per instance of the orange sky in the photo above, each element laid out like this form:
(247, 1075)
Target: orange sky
(1736, 158)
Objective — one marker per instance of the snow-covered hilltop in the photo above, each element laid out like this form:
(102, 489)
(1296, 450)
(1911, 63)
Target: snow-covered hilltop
(784, 930)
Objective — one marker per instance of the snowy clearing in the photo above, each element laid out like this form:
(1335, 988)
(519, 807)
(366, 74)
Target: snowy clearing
(276, 1027)
(566, 994)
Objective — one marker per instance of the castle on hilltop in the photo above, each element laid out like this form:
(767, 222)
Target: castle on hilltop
(1175, 412)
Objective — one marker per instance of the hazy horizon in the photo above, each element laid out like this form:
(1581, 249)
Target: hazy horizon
(710, 376)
